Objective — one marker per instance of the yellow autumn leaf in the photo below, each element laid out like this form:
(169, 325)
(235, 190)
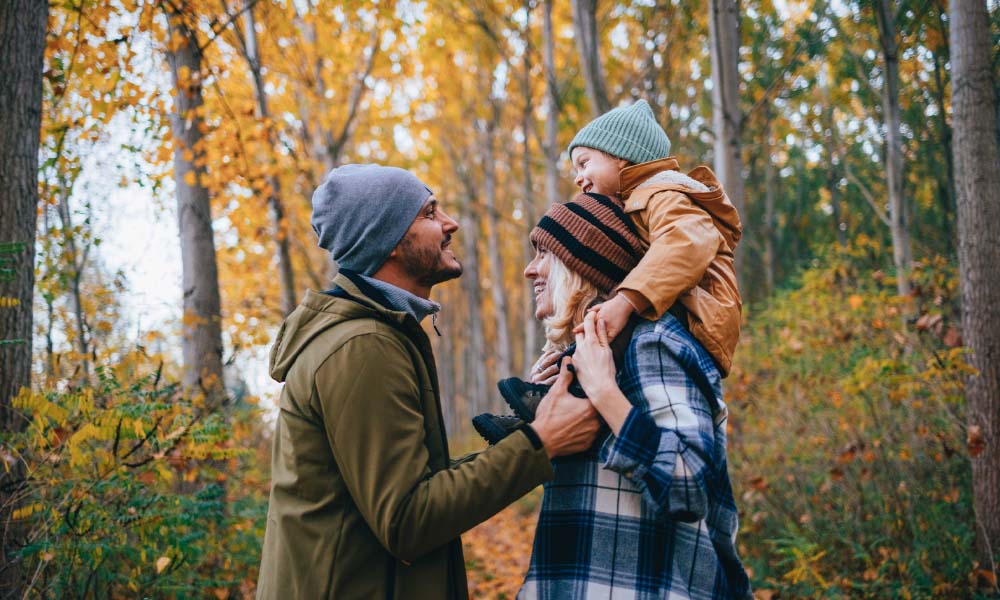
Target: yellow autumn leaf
(161, 563)
(189, 178)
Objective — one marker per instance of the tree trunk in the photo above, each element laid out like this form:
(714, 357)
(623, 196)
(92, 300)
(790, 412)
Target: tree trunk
(201, 343)
(977, 169)
(768, 229)
(551, 143)
(532, 328)
(22, 48)
(22, 51)
(898, 218)
(75, 276)
(286, 276)
(497, 291)
(727, 119)
(589, 46)
(475, 357)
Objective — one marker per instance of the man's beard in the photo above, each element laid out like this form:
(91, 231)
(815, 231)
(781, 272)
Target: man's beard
(427, 264)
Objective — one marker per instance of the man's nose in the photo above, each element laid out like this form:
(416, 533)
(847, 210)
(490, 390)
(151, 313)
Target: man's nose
(450, 225)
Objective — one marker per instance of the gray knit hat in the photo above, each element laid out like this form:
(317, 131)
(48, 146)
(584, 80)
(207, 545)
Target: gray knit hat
(360, 212)
(630, 132)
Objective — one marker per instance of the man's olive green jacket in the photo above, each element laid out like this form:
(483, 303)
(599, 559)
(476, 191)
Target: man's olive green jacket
(365, 502)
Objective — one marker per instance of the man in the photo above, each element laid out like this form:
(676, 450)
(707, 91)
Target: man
(365, 502)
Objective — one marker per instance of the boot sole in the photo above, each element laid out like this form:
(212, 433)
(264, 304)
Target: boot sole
(488, 430)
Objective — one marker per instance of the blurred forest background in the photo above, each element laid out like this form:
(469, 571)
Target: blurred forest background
(864, 434)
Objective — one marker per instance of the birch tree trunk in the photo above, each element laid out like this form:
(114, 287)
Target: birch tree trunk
(977, 169)
(503, 364)
(22, 52)
(551, 143)
(532, 328)
(727, 120)
(201, 343)
(475, 358)
(75, 275)
(286, 276)
(898, 219)
(589, 47)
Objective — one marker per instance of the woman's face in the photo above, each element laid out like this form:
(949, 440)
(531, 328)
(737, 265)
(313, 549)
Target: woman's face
(538, 271)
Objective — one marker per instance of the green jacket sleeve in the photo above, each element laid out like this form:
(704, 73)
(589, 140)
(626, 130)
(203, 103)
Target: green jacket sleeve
(370, 403)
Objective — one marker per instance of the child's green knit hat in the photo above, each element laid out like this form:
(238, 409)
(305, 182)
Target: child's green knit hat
(629, 132)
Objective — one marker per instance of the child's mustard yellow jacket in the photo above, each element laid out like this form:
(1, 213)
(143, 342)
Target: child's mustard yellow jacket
(691, 229)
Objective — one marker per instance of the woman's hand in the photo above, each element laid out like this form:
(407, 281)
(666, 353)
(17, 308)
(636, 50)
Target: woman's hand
(546, 368)
(595, 370)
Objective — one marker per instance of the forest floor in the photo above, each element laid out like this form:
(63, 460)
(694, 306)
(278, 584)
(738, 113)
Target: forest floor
(497, 551)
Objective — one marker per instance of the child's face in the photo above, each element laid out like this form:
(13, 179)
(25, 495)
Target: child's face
(596, 171)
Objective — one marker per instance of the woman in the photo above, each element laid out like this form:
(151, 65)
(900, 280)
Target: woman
(648, 512)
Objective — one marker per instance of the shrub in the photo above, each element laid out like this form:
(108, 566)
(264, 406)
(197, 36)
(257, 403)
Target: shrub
(131, 490)
(848, 443)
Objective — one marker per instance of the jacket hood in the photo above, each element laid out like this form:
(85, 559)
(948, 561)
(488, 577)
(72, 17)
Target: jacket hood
(318, 312)
(701, 185)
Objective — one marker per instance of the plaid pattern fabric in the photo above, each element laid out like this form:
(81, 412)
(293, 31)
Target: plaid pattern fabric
(649, 514)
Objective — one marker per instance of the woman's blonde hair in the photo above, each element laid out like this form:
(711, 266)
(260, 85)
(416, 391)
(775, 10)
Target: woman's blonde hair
(571, 296)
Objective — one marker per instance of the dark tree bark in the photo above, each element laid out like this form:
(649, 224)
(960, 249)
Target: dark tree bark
(22, 50)
(22, 53)
(588, 44)
(202, 332)
(977, 169)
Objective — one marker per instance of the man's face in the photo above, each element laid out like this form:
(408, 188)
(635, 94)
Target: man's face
(538, 272)
(596, 171)
(425, 251)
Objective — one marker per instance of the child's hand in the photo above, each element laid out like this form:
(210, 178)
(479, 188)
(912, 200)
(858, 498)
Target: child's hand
(615, 314)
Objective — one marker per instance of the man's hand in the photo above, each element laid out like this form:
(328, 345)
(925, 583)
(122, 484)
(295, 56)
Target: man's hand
(546, 369)
(615, 314)
(565, 424)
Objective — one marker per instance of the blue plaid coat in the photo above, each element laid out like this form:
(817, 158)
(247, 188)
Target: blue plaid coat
(649, 514)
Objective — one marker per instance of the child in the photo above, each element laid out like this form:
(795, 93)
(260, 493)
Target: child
(687, 224)
(688, 228)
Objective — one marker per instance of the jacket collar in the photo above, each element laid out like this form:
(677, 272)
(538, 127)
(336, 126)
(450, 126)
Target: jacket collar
(629, 178)
(351, 286)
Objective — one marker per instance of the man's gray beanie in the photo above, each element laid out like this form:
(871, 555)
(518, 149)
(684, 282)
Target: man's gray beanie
(360, 212)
